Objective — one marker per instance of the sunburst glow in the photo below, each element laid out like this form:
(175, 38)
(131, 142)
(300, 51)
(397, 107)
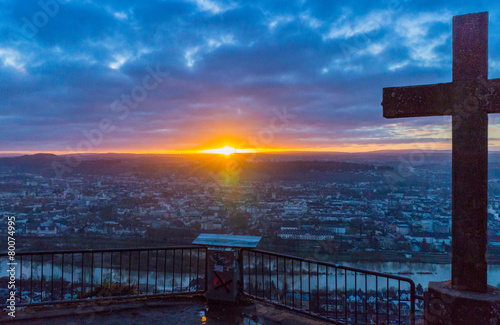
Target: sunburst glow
(226, 150)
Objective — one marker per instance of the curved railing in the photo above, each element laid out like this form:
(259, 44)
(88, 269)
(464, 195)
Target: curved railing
(331, 292)
(335, 293)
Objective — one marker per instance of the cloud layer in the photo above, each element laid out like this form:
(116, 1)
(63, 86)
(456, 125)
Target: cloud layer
(229, 63)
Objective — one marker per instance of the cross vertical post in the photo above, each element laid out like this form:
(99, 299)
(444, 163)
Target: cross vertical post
(469, 157)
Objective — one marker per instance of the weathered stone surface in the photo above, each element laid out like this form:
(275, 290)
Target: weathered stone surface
(445, 305)
(453, 98)
(470, 158)
(469, 98)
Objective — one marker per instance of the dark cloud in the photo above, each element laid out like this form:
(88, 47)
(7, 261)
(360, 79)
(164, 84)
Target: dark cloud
(229, 64)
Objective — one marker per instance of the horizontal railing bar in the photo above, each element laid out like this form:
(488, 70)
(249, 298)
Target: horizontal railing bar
(107, 250)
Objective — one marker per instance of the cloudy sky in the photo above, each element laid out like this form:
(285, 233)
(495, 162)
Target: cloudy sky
(153, 76)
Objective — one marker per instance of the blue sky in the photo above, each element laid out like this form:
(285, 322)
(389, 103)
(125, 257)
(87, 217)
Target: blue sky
(223, 70)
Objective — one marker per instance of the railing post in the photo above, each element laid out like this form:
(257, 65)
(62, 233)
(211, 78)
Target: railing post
(412, 303)
(241, 285)
(206, 269)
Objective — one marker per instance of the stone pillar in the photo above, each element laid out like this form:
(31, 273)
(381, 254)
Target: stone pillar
(447, 306)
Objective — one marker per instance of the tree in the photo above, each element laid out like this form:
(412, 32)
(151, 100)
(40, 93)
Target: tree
(373, 243)
(107, 213)
(238, 221)
(356, 225)
(425, 247)
(420, 289)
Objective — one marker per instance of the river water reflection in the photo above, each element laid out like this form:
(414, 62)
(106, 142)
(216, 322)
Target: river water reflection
(421, 272)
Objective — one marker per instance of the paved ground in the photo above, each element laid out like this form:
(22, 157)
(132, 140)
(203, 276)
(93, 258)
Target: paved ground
(191, 311)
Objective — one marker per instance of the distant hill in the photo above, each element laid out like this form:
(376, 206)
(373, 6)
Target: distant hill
(161, 165)
(252, 167)
(35, 164)
(46, 165)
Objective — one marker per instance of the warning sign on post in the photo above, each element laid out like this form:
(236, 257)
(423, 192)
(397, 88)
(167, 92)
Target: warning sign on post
(222, 274)
(222, 263)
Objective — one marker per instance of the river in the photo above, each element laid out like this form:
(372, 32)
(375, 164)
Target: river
(421, 272)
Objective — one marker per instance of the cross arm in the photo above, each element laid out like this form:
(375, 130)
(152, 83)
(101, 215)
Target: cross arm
(442, 99)
(417, 101)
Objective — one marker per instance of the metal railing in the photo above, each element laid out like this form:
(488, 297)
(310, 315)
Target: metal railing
(338, 294)
(82, 275)
(334, 293)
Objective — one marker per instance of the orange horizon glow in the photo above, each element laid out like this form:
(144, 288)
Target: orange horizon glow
(229, 150)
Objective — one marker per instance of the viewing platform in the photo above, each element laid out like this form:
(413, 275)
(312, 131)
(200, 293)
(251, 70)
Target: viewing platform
(179, 310)
(218, 280)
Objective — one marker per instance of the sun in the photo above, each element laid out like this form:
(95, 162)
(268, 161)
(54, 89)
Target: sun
(226, 150)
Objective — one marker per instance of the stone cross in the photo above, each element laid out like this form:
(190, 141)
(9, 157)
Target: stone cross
(468, 99)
